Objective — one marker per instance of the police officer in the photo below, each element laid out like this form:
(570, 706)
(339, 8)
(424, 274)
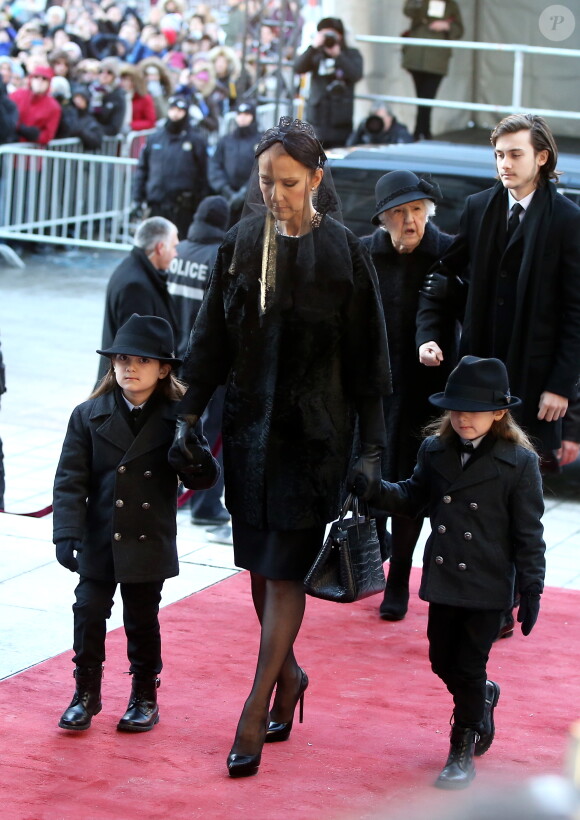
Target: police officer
(171, 176)
(232, 162)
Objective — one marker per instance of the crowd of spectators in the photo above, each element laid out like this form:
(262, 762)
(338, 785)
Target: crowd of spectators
(112, 67)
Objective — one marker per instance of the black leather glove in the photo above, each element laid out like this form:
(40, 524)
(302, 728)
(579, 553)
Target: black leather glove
(29, 132)
(65, 553)
(436, 285)
(189, 454)
(364, 478)
(529, 608)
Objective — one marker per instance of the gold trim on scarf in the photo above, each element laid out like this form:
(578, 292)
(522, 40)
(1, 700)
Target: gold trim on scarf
(268, 280)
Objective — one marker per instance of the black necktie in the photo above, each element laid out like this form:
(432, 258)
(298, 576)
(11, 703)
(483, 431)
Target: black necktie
(513, 221)
(135, 413)
(467, 447)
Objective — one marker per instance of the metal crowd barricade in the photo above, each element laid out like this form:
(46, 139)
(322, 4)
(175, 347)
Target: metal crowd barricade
(65, 198)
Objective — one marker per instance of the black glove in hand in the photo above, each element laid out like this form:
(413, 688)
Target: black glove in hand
(65, 553)
(189, 453)
(436, 285)
(29, 132)
(366, 468)
(529, 609)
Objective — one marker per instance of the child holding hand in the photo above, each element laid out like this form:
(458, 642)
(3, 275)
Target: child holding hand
(115, 504)
(478, 480)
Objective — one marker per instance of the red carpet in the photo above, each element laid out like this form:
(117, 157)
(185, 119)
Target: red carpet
(376, 719)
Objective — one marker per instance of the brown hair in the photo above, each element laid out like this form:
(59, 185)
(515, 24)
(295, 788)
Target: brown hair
(170, 387)
(506, 428)
(541, 138)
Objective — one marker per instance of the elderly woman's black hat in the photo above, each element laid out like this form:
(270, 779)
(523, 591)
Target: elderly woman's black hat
(398, 187)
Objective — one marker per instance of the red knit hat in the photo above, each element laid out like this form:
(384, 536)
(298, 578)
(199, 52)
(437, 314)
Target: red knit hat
(43, 71)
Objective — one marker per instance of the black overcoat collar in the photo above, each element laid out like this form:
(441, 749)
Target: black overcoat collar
(156, 431)
(445, 461)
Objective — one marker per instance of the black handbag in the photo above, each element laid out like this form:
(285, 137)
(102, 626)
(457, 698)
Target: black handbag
(349, 566)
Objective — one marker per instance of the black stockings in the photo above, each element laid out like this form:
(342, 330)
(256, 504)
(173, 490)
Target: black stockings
(280, 608)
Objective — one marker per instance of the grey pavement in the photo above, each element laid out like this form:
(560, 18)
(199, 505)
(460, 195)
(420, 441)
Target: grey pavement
(50, 325)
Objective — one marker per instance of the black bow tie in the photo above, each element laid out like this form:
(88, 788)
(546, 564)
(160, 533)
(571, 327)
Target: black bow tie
(466, 447)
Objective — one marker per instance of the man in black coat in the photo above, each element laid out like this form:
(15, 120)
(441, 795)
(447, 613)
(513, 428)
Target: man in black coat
(187, 281)
(381, 127)
(231, 163)
(520, 280)
(334, 69)
(139, 283)
(171, 176)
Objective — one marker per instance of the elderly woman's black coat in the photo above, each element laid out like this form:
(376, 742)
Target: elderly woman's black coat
(295, 373)
(407, 409)
(116, 494)
(486, 528)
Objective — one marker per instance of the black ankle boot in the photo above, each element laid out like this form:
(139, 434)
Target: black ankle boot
(459, 770)
(86, 700)
(396, 601)
(487, 732)
(142, 711)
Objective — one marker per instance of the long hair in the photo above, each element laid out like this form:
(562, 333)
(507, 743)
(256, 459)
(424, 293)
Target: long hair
(170, 387)
(506, 428)
(541, 138)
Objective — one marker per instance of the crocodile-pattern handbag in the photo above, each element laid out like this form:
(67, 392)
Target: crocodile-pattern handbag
(349, 566)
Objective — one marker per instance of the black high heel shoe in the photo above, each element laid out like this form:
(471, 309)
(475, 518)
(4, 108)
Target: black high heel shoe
(243, 765)
(277, 732)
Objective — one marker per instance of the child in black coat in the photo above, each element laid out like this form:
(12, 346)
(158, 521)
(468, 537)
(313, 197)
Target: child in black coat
(115, 504)
(478, 479)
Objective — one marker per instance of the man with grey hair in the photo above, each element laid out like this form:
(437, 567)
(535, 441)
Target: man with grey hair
(139, 283)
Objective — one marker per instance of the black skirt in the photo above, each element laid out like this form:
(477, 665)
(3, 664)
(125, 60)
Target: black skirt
(283, 555)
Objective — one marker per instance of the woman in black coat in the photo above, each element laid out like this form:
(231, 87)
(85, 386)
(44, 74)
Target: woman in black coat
(403, 248)
(292, 322)
(115, 502)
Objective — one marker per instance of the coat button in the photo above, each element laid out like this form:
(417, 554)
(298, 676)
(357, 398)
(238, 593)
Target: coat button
(441, 529)
(147, 473)
(119, 503)
(142, 538)
(468, 536)
(122, 469)
(145, 505)
(462, 567)
(439, 559)
(473, 506)
(447, 499)
(117, 536)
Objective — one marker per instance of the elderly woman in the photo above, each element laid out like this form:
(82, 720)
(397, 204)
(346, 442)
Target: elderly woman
(403, 248)
(292, 323)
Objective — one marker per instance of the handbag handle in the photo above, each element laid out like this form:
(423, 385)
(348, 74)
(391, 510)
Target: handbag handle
(359, 508)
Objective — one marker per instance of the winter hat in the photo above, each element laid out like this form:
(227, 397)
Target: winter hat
(43, 71)
(398, 187)
(331, 22)
(149, 336)
(246, 108)
(476, 385)
(178, 102)
(60, 87)
(213, 210)
(79, 89)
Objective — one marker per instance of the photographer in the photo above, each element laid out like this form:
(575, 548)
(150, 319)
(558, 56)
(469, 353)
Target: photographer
(381, 127)
(334, 69)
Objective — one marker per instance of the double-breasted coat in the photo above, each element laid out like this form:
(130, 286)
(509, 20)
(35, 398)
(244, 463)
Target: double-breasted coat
(486, 528)
(525, 298)
(294, 375)
(116, 493)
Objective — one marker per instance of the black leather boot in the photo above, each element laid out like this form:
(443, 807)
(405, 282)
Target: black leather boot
(396, 600)
(142, 711)
(459, 770)
(487, 732)
(86, 700)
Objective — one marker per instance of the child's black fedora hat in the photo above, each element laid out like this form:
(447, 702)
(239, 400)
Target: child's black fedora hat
(476, 385)
(149, 336)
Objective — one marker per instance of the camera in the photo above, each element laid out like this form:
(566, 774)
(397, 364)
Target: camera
(336, 87)
(330, 39)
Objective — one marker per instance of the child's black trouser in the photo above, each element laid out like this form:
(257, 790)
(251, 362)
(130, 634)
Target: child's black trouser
(459, 644)
(94, 601)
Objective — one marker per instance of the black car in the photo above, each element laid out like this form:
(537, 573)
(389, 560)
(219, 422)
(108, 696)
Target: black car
(459, 170)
